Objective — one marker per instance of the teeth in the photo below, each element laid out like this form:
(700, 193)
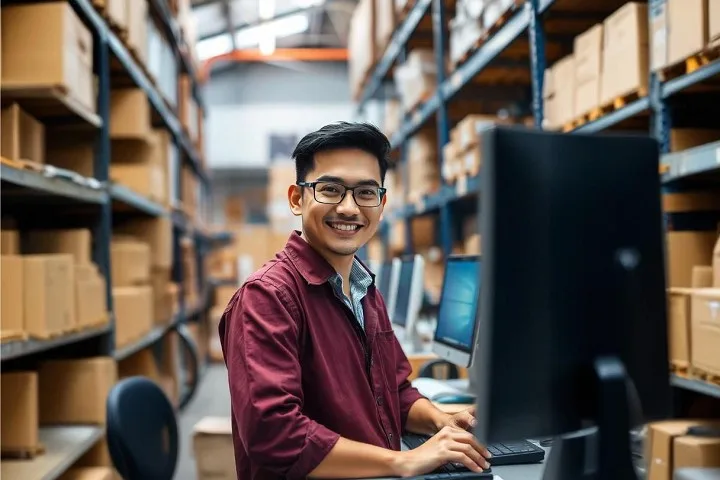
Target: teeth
(344, 227)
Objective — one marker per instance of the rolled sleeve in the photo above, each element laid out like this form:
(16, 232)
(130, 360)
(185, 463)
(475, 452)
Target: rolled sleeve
(261, 343)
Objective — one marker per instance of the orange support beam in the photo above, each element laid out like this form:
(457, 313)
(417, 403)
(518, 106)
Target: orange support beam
(279, 55)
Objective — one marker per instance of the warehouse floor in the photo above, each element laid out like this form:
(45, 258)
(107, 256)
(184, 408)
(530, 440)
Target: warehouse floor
(211, 399)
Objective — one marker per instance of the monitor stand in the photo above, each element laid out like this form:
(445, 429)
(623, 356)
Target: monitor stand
(607, 456)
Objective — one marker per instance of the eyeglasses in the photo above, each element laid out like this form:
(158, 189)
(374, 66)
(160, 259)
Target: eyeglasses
(334, 193)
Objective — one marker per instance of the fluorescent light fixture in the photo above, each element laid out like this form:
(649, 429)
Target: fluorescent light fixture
(213, 46)
(266, 9)
(282, 27)
(266, 44)
(308, 3)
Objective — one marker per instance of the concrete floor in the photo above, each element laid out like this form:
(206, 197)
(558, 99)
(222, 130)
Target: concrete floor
(211, 399)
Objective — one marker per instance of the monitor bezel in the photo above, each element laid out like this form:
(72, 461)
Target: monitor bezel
(453, 353)
(413, 261)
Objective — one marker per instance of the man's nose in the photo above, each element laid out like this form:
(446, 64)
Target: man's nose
(348, 206)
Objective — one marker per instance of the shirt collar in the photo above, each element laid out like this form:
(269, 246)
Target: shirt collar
(311, 265)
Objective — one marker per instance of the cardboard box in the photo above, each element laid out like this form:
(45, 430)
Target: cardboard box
(679, 321)
(416, 78)
(213, 449)
(684, 251)
(687, 28)
(705, 312)
(691, 201)
(75, 391)
(116, 11)
(23, 137)
(385, 24)
(48, 294)
(130, 113)
(685, 138)
(564, 83)
(157, 233)
(130, 262)
(714, 20)
(19, 416)
(12, 286)
(141, 364)
(702, 276)
(361, 45)
(473, 244)
(59, 53)
(74, 152)
(549, 114)
(9, 242)
(716, 264)
(692, 451)
(91, 301)
(88, 473)
(137, 18)
(215, 348)
(223, 295)
(75, 242)
(588, 69)
(133, 313)
(626, 49)
(659, 446)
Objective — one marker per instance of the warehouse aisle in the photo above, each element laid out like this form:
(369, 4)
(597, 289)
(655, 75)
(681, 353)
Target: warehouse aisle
(212, 399)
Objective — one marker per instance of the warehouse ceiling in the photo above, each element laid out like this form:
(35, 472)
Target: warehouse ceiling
(226, 25)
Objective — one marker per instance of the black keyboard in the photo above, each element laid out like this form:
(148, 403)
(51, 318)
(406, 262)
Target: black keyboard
(506, 453)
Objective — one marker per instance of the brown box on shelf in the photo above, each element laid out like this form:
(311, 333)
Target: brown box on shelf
(12, 286)
(659, 445)
(702, 276)
(714, 21)
(416, 78)
(385, 22)
(549, 115)
(691, 201)
(74, 152)
(215, 347)
(130, 113)
(59, 53)
(473, 244)
(88, 473)
(116, 11)
(130, 262)
(223, 295)
(687, 32)
(49, 294)
(141, 363)
(361, 45)
(9, 242)
(75, 391)
(162, 296)
(19, 416)
(467, 130)
(76, 242)
(705, 312)
(564, 83)
(157, 233)
(23, 137)
(625, 47)
(133, 313)
(137, 16)
(696, 451)
(588, 69)
(685, 138)
(472, 161)
(679, 326)
(91, 301)
(146, 179)
(686, 249)
(213, 449)
(716, 264)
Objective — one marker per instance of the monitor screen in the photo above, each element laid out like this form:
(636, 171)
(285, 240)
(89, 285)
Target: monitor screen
(384, 284)
(458, 303)
(402, 302)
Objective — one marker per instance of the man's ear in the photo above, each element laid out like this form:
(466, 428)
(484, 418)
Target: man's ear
(295, 198)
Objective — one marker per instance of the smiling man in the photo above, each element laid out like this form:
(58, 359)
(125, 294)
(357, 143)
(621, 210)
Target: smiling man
(317, 379)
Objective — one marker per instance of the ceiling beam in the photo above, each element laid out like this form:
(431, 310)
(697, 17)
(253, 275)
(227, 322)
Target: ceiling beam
(280, 55)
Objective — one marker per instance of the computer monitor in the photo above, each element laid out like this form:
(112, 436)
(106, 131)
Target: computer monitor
(389, 292)
(454, 338)
(384, 278)
(572, 325)
(408, 299)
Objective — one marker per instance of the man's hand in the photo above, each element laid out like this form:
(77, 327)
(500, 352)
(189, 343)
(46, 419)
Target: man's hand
(449, 445)
(464, 420)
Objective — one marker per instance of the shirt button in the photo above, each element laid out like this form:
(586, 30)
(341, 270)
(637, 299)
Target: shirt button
(380, 401)
(372, 362)
(390, 436)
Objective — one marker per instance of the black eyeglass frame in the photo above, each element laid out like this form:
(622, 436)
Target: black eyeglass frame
(381, 192)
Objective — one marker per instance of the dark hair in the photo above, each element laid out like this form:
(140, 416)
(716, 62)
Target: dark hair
(363, 136)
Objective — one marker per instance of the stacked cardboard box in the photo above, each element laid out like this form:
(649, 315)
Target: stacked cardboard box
(422, 168)
(223, 295)
(670, 446)
(213, 448)
(132, 289)
(361, 45)
(23, 137)
(416, 78)
(190, 272)
(385, 22)
(466, 29)
(282, 220)
(49, 284)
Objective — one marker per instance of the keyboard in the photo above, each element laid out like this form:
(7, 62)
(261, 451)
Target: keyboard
(505, 453)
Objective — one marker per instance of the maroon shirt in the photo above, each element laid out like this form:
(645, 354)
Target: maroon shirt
(302, 371)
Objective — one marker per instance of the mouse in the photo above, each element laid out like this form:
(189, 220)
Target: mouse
(454, 398)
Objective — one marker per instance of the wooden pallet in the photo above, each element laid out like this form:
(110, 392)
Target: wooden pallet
(11, 336)
(681, 369)
(700, 374)
(23, 164)
(120, 30)
(694, 62)
(480, 41)
(599, 112)
(27, 453)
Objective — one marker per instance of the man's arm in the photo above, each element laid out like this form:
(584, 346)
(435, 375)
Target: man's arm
(425, 418)
(260, 338)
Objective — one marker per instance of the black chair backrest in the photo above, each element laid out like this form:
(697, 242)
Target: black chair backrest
(142, 431)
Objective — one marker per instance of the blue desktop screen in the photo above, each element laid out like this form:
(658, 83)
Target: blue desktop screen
(402, 301)
(459, 302)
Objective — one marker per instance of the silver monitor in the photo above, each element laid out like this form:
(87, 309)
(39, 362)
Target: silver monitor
(392, 274)
(455, 331)
(408, 300)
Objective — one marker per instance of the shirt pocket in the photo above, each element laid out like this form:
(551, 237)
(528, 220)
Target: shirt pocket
(385, 354)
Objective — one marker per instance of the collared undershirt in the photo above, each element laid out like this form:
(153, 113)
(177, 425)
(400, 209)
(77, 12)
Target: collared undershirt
(360, 281)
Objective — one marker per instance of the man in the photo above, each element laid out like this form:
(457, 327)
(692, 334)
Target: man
(317, 379)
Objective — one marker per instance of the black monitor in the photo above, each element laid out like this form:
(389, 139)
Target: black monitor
(402, 302)
(456, 319)
(572, 311)
(385, 272)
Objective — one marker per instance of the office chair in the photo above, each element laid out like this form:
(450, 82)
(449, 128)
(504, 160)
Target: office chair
(142, 431)
(440, 369)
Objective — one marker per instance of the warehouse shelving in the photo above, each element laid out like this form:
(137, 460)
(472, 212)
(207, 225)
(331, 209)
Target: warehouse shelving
(652, 113)
(63, 446)
(21, 348)
(698, 386)
(155, 335)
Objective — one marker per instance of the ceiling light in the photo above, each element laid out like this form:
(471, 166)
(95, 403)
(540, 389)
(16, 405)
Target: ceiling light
(282, 27)
(266, 9)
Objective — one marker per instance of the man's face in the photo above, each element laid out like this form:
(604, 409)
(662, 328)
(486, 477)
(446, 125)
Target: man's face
(339, 229)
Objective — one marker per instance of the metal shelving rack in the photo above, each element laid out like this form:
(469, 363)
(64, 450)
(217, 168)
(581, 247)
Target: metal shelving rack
(96, 198)
(681, 170)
